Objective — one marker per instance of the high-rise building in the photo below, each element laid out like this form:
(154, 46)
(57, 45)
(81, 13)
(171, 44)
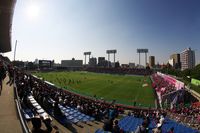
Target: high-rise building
(176, 61)
(187, 58)
(151, 61)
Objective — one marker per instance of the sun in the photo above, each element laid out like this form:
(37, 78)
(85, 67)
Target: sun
(33, 11)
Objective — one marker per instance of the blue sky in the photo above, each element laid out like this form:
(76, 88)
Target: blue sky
(64, 29)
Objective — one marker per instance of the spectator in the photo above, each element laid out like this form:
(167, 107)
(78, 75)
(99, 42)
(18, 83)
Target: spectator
(116, 128)
(47, 123)
(157, 129)
(108, 124)
(57, 111)
(142, 128)
(10, 74)
(2, 75)
(162, 119)
(36, 122)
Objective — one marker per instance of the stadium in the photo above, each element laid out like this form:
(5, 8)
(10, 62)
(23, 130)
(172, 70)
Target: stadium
(99, 97)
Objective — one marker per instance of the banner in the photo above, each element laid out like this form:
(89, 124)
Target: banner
(195, 82)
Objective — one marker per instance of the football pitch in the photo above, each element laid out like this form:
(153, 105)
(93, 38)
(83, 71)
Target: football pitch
(125, 89)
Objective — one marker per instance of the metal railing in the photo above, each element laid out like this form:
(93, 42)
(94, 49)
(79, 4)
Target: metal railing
(19, 110)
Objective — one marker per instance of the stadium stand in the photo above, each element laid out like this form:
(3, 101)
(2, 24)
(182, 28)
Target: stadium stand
(38, 96)
(189, 115)
(161, 85)
(69, 108)
(130, 71)
(140, 124)
(131, 123)
(41, 102)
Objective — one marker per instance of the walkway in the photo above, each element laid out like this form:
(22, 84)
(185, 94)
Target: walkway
(194, 93)
(9, 121)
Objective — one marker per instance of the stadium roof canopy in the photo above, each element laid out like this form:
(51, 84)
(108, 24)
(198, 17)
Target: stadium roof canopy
(6, 15)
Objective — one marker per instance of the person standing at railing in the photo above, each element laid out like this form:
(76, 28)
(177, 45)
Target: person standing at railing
(10, 74)
(2, 75)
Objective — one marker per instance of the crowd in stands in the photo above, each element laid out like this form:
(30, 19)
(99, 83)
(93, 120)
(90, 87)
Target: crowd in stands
(131, 71)
(156, 116)
(98, 109)
(147, 115)
(28, 85)
(189, 115)
(162, 85)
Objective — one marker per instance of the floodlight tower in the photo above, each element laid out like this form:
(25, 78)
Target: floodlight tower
(146, 57)
(85, 54)
(111, 52)
(143, 51)
(138, 51)
(114, 52)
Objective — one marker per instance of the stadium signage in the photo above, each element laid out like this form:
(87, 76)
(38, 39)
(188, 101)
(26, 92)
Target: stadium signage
(195, 82)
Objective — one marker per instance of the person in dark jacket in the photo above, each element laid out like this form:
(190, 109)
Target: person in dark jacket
(142, 128)
(108, 125)
(116, 128)
(2, 75)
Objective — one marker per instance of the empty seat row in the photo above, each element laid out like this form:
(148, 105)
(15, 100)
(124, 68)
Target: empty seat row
(74, 115)
(71, 115)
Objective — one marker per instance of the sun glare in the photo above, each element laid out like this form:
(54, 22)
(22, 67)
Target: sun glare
(32, 11)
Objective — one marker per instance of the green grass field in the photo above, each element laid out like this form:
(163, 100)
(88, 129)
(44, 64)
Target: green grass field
(123, 88)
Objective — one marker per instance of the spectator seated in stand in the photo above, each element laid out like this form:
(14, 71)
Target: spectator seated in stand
(36, 122)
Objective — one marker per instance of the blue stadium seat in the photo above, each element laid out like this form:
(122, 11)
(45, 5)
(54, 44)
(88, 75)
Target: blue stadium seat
(71, 112)
(67, 110)
(98, 131)
(70, 117)
(63, 120)
(80, 117)
(28, 114)
(84, 119)
(66, 114)
(101, 131)
(75, 120)
(75, 115)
